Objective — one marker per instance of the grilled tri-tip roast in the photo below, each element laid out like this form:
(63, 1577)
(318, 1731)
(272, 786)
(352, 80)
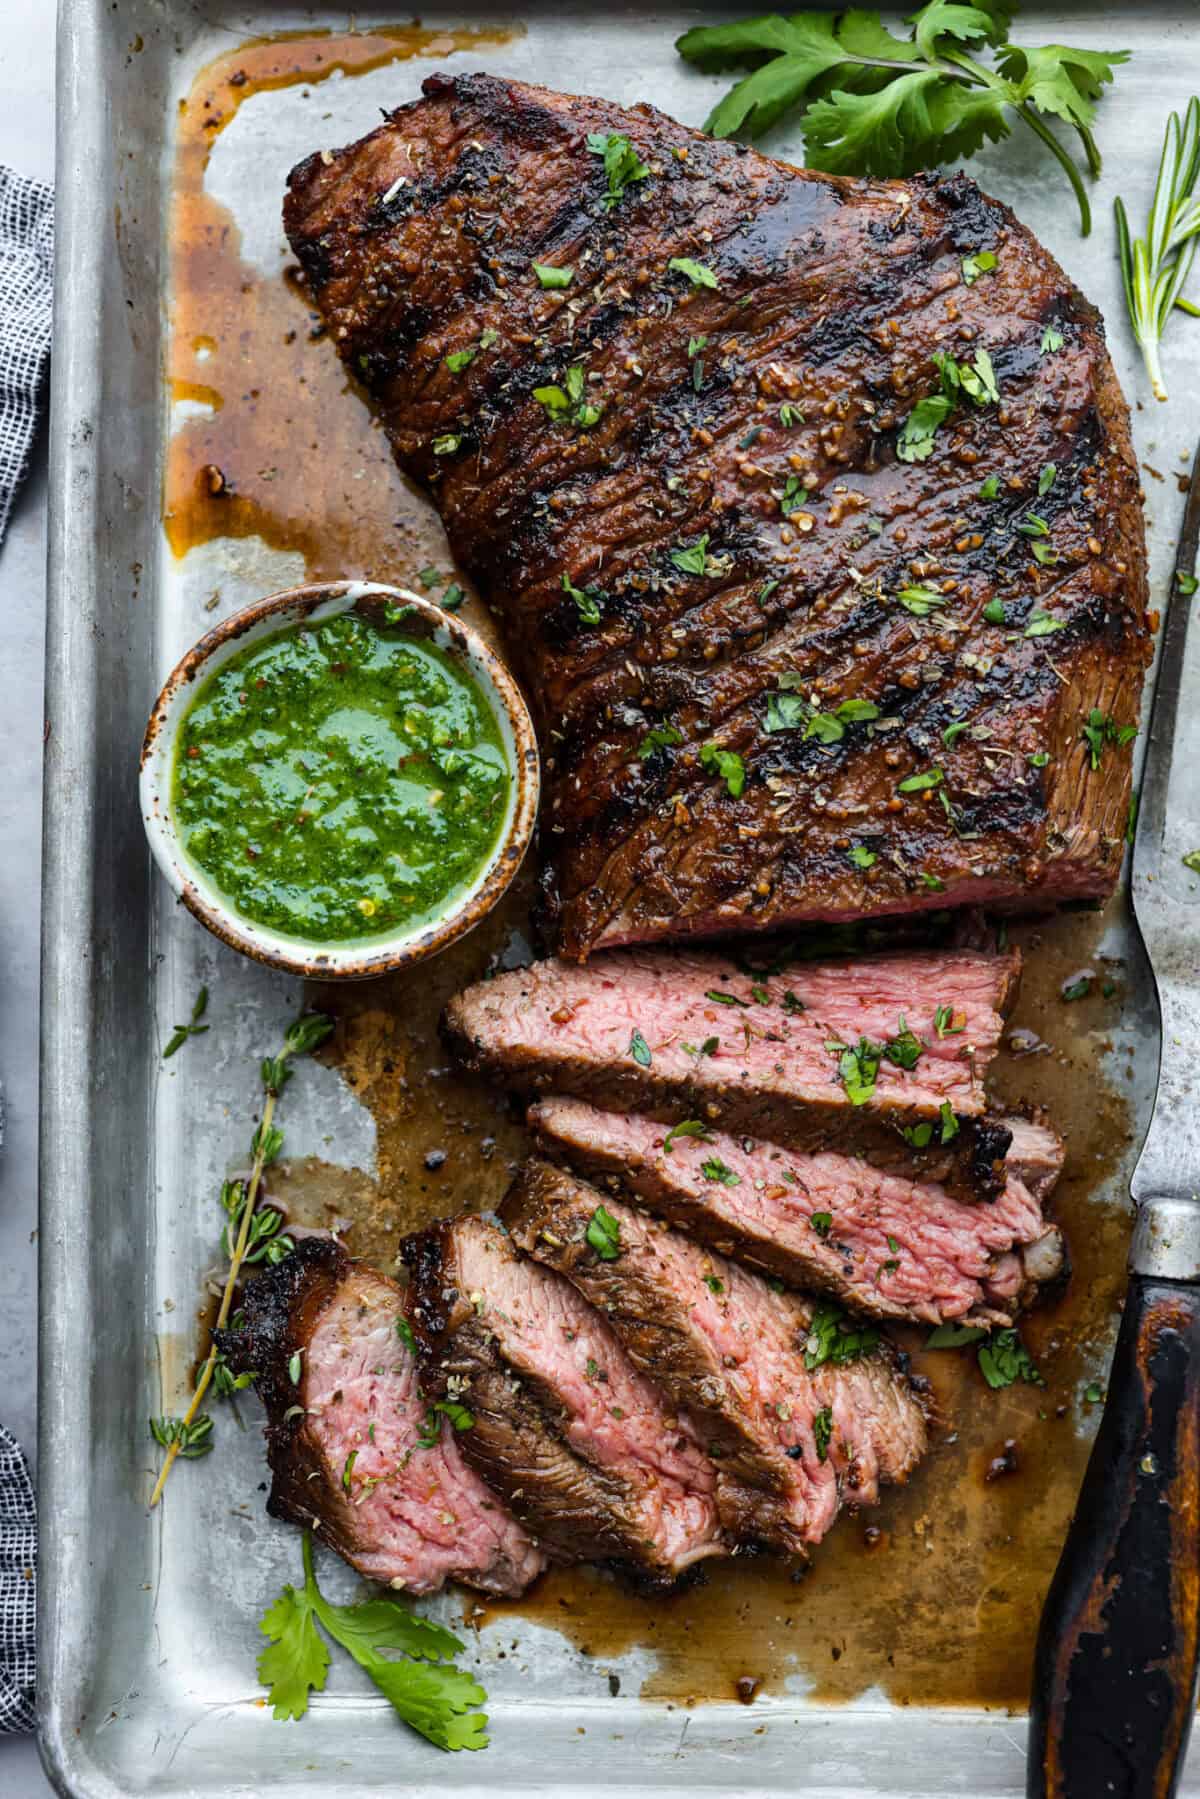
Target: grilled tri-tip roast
(355, 1451)
(817, 543)
(583, 1448)
(880, 1054)
(794, 1418)
(884, 1243)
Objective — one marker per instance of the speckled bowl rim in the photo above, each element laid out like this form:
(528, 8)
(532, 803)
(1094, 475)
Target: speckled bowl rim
(381, 955)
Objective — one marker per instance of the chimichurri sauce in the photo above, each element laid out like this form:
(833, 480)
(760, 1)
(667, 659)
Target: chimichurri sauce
(340, 780)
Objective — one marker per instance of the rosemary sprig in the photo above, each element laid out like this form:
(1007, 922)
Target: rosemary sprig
(182, 1032)
(1155, 267)
(249, 1236)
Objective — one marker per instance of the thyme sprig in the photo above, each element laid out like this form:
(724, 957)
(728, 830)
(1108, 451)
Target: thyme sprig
(1155, 267)
(249, 1236)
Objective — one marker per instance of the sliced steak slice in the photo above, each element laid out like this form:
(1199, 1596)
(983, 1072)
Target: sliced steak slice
(583, 1448)
(632, 507)
(353, 1452)
(788, 1442)
(882, 1243)
(691, 1036)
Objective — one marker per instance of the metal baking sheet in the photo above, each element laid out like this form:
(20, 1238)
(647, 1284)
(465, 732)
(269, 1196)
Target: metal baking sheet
(148, 1632)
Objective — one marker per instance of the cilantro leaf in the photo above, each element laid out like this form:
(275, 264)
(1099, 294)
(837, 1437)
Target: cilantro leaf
(603, 1234)
(727, 765)
(425, 1688)
(915, 442)
(549, 276)
(698, 273)
(879, 104)
(622, 164)
(296, 1659)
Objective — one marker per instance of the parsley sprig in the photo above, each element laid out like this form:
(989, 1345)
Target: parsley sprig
(424, 1686)
(878, 104)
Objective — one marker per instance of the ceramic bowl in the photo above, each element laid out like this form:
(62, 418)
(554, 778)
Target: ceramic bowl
(364, 957)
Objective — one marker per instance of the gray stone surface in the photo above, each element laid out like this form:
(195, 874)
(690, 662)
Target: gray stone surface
(26, 143)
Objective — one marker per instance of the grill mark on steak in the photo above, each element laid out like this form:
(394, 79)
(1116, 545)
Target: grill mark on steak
(833, 296)
(882, 1244)
(580, 1445)
(730, 1353)
(412, 1517)
(740, 1061)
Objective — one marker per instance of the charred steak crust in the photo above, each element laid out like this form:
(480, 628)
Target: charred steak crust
(730, 1354)
(627, 1483)
(348, 1437)
(755, 1053)
(767, 458)
(883, 1244)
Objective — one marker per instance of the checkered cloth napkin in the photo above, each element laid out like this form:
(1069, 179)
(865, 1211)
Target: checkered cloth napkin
(26, 274)
(26, 286)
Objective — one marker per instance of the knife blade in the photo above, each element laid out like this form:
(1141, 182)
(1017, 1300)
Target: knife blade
(1115, 1668)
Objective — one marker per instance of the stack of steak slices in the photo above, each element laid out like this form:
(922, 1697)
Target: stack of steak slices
(667, 1347)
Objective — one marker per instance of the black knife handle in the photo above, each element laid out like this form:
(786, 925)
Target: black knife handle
(1114, 1678)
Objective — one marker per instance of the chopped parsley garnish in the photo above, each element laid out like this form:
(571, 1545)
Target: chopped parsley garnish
(976, 378)
(404, 1332)
(1079, 988)
(823, 1431)
(858, 1068)
(920, 601)
(695, 345)
(830, 1339)
(788, 711)
(429, 577)
(458, 359)
(955, 730)
(1101, 729)
(993, 612)
(1039, 758)
(919, 1135)
(549, 276)
(622, 164)
(790, 417)
(724, 999)
(1004, 1359)
(727, 765)
(348, 1469)
(861, 857)
(761, 994)
(692, 558)
(1192, 861)
(587, 600)
(944, 1021)
(791, 1003)
(793, 496)
(567, 401)
(990, 489)
(765, 591)
(904, 1049)
(604, 1234)
(713, 1169)
(954, 1336)
(713, 1284)
(921, 783)
(822, 1223)
(458, 1414)
(709, 1047)
(1033, 525)
(639, 1049)
(950, 1125)
(932, 881)
(1043, 623)
(915, 442)
(698, 273)
(1093, 1392)
(1052, 340)
(982, 263)
(447, 444)
(1047, 478)
(691, 1127)
(659, 737)
(1187, 584)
